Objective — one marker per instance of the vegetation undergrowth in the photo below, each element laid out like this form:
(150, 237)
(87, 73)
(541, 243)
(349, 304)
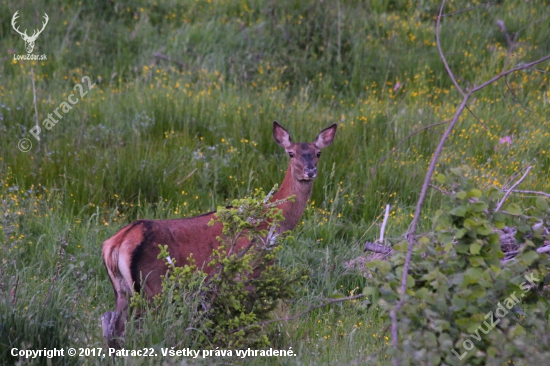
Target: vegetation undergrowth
(229, 307)
(465, 306)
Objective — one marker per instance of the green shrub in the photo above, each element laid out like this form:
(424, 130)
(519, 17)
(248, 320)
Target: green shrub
(463, 306)
(228, 307)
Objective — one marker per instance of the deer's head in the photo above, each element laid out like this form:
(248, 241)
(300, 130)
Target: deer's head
(303, 155)
(29, 40)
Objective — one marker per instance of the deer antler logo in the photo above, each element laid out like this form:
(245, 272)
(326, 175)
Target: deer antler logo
(29, 40)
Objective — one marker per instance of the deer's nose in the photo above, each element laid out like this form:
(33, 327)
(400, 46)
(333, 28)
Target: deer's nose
(310, 172)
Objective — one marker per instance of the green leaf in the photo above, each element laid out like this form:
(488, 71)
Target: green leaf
(517, 331)
(499, 216)
(459, 211)
(499, 225)
(470, 224)
(474, 193)
(410, 281)
(460, 233)
(541, 203)
(458, 303)
(456, 171)
(472, 275)
(461, 195)
(370, 291)
(465, 322)
(441, 178)
(424, 240)
(479, 206)
(477, 261)
(513, 209)
(475, 248)
(528, 257)
(484, 230)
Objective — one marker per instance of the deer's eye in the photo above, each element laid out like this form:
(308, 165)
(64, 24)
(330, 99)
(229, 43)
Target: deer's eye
(291, 154)
(319, 154)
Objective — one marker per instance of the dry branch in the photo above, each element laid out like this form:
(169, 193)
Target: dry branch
(512, 188)
(383, 228)
(377, 248)
(182, 65)
(531, 192)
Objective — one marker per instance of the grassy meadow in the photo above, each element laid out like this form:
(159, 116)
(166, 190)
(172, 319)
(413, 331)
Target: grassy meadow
(179, 121)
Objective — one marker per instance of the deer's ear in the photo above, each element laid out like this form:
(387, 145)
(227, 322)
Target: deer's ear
(281, 136)
(325, 137)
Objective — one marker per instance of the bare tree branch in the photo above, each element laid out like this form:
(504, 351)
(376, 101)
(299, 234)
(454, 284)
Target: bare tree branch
(383, 228)
(377, 248)
(486, 5)
(502, 27)
(476, 117)
(412, 230)
(437, 27)
(504, 73)
(531, 192)
(499, 205)
(514, 95)
(182, 65)
(34, 101)
(447, 193)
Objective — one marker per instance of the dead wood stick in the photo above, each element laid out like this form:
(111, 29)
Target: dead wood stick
(377, 248)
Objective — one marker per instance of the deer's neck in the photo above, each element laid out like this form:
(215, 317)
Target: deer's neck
(292, 211)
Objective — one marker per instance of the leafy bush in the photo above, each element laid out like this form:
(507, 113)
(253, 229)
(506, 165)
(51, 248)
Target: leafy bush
(227, 307)
(463, 305)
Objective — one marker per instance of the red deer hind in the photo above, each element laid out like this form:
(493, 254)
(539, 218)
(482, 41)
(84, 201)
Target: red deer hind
(131, 254)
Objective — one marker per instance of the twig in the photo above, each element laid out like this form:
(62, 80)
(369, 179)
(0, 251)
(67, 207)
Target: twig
(69, 28)
(486, 5)
(531, 192)
(504, 73)
(308, 310)
(410, 235)
(383, 228)
(500, 24)
(13, 292)
(481, 123)
(447, 193)
(514, 96)
(441, 54)
(339, 57)
(186, 177)
(510, 180)
(512, 188)
(377, 248)
(164, 57)
(34, 100)
(244, 32)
